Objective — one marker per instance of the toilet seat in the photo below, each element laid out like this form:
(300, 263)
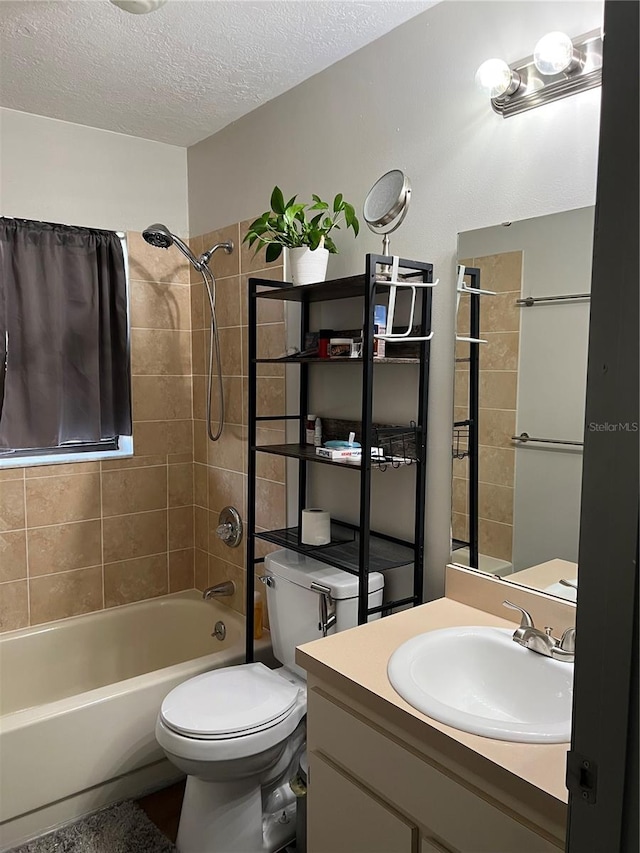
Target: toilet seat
(233, 702)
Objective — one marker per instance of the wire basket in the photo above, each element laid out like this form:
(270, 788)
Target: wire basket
(460, 448)
(397, 446)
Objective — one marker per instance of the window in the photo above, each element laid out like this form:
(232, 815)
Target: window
(65, 384)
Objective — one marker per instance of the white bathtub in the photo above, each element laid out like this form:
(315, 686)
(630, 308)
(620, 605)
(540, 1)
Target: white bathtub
(79, 701)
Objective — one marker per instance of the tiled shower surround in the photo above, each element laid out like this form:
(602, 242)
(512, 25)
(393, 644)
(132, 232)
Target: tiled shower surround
(500, 327)
(86, 536)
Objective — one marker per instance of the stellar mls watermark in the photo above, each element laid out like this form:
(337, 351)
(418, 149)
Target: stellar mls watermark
(629, 426)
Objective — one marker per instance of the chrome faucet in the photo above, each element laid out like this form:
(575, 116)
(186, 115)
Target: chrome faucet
(542, 642)
(220, 590)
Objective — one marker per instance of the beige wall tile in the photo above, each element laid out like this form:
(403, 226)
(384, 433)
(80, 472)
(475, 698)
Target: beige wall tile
(459, 525)
(158, 352)
(13, 556)
(62, 547)
(56, 500)
(135, 490)
(134, 462)
(230, 451)
(461, 387)
(11, 474)
(500, 352)
(270, 504)
(181, 570)
(14, 610)
(11, 504)
(150, 438)
(147, 263)
(271, 396)
(498, 389)
(231, 351)
(233, 401)
(501, 273)
(157, 305)
(200, 398)
(495, 503)
(495, 539)
(135, 580)
(228, 304)
(459, 495)
(225, 488)
(198, 317)
(181, 520)
(59, 470)
(161, 398)
(66, 594)
(201, 569)
(200, 352)
(500, 313)
(180, 437)
(200, 485)
(222, 264)
(219, 571)
(269, 310)
(200, 441)
(268, 466)
(138, 535)
(181, 485)
(496, 427)
(201, 528)
(497, 465)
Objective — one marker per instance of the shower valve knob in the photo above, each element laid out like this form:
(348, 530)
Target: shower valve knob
(229, 528)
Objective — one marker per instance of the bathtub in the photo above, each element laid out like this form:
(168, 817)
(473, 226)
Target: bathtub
(79, 701)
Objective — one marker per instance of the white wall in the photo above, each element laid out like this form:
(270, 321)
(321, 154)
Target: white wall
(409, 101)
(61, 172)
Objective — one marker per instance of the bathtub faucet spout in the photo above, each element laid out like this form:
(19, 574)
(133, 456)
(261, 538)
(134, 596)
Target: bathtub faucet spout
(220, 590)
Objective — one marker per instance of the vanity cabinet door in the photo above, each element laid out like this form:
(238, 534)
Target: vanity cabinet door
(345, 818)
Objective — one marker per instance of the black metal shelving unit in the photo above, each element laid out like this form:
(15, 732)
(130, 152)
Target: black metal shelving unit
(468, 428)
(353, 548)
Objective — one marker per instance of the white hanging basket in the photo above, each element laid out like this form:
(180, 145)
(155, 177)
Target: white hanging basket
(306, 266)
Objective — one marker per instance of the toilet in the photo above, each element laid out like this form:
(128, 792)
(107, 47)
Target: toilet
(239, 732)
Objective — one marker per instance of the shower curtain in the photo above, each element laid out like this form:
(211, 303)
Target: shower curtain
(64, 355)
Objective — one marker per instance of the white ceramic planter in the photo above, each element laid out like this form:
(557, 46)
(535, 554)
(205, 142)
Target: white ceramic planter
(306, 266)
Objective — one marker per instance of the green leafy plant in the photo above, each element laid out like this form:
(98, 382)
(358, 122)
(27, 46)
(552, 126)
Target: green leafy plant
(289, 224)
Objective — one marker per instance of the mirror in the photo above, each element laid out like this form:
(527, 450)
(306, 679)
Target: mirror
(387, 200)
(530, 383)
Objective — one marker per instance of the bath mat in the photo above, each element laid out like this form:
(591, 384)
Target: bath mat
(123, 828)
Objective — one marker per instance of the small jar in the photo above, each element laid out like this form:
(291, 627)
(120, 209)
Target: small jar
(324, 336)
(310, 429)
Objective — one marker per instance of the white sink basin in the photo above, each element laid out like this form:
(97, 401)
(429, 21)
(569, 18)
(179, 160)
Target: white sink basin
(478, 680)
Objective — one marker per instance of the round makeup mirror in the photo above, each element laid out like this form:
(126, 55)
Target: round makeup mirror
(386, 205)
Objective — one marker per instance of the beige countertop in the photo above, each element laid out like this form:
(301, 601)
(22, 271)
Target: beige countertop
(545, 574)
(356, 661)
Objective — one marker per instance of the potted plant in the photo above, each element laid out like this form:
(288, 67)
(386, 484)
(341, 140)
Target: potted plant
(305, 235)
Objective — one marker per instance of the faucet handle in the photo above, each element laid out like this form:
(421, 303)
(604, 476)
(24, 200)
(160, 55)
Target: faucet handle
(526, 621)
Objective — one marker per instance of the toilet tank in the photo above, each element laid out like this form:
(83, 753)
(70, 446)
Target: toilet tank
(294, 607)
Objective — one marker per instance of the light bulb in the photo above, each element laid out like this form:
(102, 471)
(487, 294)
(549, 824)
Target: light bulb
(554, 53)
(139, 7)
(495, 78)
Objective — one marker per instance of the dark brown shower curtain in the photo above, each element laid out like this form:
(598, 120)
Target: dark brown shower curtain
(64, 362)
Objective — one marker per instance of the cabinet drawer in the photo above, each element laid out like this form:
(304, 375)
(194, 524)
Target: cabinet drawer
(413, 786)
(344, 818)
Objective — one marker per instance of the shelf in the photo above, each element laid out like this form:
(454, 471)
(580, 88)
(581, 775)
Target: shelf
(307, 453)
(337, 288)
(343, 553)
(456, 544)
(314, 360)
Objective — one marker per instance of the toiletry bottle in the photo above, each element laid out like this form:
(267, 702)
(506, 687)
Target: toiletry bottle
(324, 336)
(257, 616)
(311, 429)
(317, 434)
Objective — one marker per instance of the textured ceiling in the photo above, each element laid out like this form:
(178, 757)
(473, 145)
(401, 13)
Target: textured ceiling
(182, 73)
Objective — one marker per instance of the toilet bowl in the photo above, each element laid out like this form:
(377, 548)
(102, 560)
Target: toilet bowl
(238, 732)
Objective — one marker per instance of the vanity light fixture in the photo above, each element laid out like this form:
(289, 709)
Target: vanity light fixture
(560, 66)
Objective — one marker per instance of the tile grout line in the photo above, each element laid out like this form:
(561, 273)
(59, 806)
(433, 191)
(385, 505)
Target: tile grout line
(26, 546)
(104, 603)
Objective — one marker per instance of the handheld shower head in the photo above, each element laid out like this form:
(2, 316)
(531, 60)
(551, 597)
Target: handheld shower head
(158, 235)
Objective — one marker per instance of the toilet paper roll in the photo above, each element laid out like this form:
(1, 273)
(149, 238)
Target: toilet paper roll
(316, 527)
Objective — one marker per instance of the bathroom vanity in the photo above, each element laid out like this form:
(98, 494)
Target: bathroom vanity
(385, 778)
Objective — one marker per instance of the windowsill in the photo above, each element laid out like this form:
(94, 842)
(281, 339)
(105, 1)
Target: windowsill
(125, 450)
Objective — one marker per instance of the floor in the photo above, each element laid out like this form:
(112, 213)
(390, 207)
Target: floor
(163, 808)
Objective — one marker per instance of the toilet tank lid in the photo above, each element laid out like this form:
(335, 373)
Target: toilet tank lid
(304, 571)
